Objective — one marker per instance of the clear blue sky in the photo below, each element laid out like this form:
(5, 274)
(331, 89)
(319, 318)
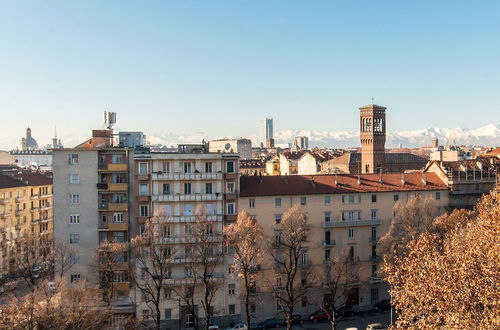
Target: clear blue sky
(219, 66)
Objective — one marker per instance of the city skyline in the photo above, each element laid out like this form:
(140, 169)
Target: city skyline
(304, 65)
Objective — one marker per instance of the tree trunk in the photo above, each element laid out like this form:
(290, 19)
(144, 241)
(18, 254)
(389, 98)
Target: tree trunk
(247, 300)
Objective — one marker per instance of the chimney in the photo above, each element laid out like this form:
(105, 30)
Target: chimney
(359, 180)
(380, 179)
(313, 183)
(403, 182)
(336, 179)
(424, 179)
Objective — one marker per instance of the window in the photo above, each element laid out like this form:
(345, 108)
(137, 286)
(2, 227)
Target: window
(74, 277)
(351, 253)
(143, 168)
(231, 289)
(351, 215)
(277, 218)
(374, 198)
(74, 259)
(328, 237)
(165, 167)
(251, 203)
(230, 208)
(168, 314)
(74, 218)
(328, 254)
(208, 188)
(277, 202)
(232, 309)
(73, 159)
(374, 295)
(374, 270)
(209, 229)
(143, 189)
(328, 216)
(230, 167)
(74, 178)
(351, 199)
(187, 229)
(230, 187)
(119, 236)
(395, 197)
(187, 167)
(74, 198)
(374, 234)
(144, 210)
(117, 159)
(304, 259)
(74, 238)
(188, 209)
(188, 272)
(351, 232)
(303, 200)
(165, 189)
(118, 217)
(187, 188)
(208, 167)
(328, 200)
(438, 195)
(374, 214)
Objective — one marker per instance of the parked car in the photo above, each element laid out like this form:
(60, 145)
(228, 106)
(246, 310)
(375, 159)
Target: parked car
(383, 305)
(319, 315)
(376, 326)
(239, 326)
(345, 311)
(270, 323)
(213, 327)
(297, 319)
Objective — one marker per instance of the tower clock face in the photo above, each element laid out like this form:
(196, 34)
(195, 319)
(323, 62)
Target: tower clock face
(227, 146)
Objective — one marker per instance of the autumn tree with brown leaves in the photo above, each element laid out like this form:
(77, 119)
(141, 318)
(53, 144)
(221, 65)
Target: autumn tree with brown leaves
(55, 305)
(245, 238)
(449, 276)
(287, 250)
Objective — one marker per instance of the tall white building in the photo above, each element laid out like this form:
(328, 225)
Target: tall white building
(266, 133)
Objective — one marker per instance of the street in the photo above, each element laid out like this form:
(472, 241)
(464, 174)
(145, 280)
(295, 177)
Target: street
(359, 321)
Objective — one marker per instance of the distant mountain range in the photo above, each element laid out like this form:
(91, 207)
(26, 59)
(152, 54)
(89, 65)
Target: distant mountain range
(488, 135)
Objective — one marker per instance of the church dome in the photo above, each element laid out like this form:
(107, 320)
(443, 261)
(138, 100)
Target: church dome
(29, 142)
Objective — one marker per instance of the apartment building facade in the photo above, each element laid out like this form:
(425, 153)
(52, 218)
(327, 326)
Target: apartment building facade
(346, 215)
(25, 214)
(177, 188)
(92, 202)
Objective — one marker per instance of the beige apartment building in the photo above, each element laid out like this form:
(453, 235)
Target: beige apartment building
(92, 204)
(177, 187)
(347, 214)
(25, 214)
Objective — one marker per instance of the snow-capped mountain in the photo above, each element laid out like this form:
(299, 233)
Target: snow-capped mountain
(488, 135)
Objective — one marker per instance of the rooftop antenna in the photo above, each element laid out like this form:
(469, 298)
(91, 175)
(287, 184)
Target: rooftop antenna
(109, 119)
(373, 100)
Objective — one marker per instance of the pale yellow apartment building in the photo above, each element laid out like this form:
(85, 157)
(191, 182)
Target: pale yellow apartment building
(346, 214)
(25, 213)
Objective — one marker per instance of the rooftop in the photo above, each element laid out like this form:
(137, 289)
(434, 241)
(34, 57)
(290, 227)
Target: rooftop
(337, 184)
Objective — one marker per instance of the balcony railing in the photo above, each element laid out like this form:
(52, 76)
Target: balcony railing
(187, 197)
(176, 176)
(193, 218)
(351, 223)
(329, 243)
(192, 239)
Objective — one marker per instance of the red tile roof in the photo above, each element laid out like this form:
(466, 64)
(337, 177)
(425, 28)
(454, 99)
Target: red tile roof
(325, 184)
(7, 181)
(20, 178)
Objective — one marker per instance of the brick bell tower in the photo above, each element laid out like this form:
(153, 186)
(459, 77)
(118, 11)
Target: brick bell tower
(372, 134)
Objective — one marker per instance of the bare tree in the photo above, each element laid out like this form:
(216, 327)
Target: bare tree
(63, 255)
(245, 237)
(449, 276)
(289, 253)
(203, 253)
(341, 272)
(152, 262)
(107, 265)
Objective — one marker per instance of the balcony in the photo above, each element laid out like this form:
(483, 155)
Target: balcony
(230, 217)
(375, 279)
(113, 226)
(230, 196)
(113, 167)
(375, 258)
(187, 197)
(230, 176)
(175, 239)
(373, 241)
(193, 218)
(121, 286)
(113, 207)
(185, 176)
(112, 186)
(329, 243)
(123, 306)
(143, 198)
(351, 223)
(142, 177)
